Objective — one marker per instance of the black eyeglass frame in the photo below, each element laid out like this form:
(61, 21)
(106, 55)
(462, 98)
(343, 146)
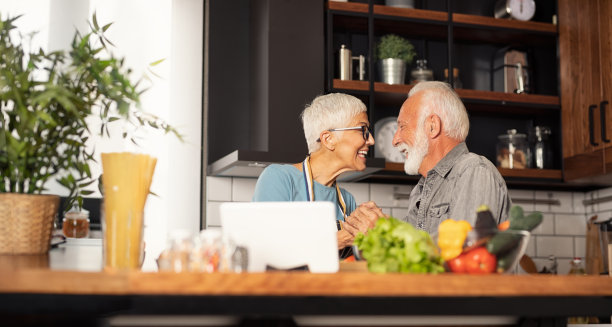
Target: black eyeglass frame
(365, 131)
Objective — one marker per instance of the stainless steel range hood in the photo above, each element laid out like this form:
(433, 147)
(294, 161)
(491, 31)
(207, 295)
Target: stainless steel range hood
(259, 83)
(244, 163)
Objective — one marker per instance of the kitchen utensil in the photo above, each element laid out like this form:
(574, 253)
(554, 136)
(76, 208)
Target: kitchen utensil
(528, 265)
(605, 240)
(346, 64)
(512, 150)
(511, 71)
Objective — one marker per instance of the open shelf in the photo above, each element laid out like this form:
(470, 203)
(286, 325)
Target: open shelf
(465, 94)
(348, 7)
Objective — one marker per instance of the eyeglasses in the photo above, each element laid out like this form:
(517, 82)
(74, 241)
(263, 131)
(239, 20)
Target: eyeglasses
(365, 131)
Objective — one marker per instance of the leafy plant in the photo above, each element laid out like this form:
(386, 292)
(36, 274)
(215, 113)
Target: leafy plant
(45, 99)
(394, 46)
(396, 246)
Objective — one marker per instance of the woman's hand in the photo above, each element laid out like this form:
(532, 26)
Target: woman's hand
(363, 218)
(360, 220)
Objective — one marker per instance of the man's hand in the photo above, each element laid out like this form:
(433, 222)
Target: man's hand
(363, 218)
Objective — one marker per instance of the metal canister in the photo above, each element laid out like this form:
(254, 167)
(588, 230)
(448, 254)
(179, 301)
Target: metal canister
(346, 63)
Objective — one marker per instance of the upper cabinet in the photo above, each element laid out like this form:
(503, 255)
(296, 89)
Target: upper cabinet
(460, 36)
(585, 38)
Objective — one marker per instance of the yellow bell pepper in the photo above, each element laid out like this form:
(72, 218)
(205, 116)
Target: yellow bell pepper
(451, 235)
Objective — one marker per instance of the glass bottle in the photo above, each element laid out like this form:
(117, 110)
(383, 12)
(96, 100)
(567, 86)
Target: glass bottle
(456, 81)
(577, 268)
(512, 150)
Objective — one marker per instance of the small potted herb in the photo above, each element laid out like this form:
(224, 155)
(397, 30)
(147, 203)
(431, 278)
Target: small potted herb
(394, 54)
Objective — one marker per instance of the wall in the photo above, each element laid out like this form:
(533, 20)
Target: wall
(562, 232)
(143, 32)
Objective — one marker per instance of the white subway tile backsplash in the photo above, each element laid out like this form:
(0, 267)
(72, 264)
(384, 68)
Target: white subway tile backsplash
(382, 194)
(399, 213)
(523, 195)
(563, 266)
(580, 247)
(578, 205)
(547, 227)
(360, 191)
(592, 208)
(219, 188)
(570, 224)
(543, 195)
(566, 202)
(213, 218)
(243, 189)
(559, 246)
(604, 206)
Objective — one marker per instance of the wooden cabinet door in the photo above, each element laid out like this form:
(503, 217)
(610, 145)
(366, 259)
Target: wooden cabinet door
(605, 66)
(580, 88)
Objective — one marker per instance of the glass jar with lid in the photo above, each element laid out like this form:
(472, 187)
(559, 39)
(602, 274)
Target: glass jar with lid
(76, 224)
(421, 73)
(512, 150)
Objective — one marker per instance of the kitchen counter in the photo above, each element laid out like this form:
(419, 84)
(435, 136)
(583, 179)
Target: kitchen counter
(34, 284)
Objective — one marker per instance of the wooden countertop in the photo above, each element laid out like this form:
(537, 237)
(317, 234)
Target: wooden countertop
(45, 281)
(55, 284)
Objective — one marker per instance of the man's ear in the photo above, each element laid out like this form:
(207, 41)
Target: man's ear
(328, 140)
(433, 126)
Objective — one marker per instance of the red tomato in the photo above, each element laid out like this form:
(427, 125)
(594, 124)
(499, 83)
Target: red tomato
(457, 264)
(350, 258)
(480, 261)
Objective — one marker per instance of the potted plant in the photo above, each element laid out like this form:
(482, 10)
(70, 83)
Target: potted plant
(45, 99)
(394, 54)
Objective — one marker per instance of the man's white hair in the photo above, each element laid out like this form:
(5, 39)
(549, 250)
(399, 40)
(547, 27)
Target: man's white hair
(440, 99)
(334, 110)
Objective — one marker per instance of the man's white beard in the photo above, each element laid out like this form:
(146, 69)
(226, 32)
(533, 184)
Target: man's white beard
(415, 154)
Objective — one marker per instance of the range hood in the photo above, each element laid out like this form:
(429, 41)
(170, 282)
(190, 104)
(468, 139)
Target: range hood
(245, 163)
(259, 83)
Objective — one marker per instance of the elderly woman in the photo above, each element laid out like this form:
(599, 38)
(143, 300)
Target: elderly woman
(337, 131)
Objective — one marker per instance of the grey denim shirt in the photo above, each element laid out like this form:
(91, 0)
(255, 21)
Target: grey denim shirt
(455, 188)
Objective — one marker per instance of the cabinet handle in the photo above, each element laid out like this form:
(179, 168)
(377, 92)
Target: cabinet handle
(602, 108)
(591, 123)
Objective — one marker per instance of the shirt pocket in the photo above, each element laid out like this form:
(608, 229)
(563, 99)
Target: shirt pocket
(439, 210)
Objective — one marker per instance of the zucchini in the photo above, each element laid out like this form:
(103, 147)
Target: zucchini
(504, 261)
(503, 241)
(526, 223)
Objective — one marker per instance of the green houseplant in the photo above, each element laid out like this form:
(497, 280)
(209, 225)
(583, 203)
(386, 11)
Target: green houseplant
(394, 54)
(45, 99)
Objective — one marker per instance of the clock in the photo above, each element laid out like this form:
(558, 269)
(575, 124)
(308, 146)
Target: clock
(515, 9)
(384, 132)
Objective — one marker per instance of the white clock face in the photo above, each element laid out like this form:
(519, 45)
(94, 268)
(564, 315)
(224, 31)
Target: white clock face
(521, 9)
(383, 148)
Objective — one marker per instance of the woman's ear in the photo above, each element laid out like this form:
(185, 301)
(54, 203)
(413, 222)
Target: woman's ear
(328, 140)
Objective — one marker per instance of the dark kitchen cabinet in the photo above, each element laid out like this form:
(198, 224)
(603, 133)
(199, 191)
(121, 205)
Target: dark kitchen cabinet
(456, 34)
(585, 38)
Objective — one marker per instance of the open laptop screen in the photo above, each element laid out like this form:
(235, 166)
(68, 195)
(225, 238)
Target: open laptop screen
(284, 235)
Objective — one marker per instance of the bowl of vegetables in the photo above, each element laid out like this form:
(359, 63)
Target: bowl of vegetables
(486, 248)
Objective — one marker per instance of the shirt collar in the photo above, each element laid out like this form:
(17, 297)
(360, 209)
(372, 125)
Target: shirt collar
(444, 166)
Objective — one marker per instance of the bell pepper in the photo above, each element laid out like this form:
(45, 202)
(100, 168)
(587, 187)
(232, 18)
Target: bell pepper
(451, 235)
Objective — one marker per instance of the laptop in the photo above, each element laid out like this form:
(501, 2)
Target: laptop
(284, 235)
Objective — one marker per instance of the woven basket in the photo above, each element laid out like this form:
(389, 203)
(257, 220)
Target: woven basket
(26, 222)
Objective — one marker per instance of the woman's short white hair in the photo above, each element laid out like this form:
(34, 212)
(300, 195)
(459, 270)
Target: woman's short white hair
(440, 99)
(334, 110)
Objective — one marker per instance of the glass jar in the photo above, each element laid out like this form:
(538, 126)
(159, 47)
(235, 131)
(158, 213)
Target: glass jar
(512, 150)
(76, 224)
(421, 73)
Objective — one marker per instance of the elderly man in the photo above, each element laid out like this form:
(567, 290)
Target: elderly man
(432, 127)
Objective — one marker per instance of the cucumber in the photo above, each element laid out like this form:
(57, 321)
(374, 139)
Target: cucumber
(504, 261)
(526, 223)
(503, 241)
(516, 212)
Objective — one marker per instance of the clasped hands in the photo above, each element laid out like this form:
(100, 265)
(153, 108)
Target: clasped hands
(360, 220)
